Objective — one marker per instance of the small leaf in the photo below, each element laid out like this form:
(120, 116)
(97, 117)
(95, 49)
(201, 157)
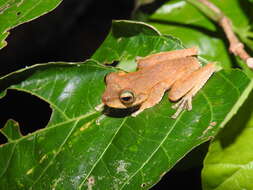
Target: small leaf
(16, 12)
(11, 130)
(230, 157)
(82, 149)
(125, 45)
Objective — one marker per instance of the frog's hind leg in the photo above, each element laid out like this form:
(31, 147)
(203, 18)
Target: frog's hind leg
(165, 56)
(188, 86)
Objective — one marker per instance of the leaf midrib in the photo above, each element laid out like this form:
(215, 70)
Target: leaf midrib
(101, 156)
(53, 126)
(55, 155)
(153, 153)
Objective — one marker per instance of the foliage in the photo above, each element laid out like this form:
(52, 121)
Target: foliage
(229, 160)
(82, 148)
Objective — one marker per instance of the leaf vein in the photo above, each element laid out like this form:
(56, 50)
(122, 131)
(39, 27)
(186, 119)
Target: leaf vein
(101, 156)
(9, 160)
(152, 154)
(56, 154)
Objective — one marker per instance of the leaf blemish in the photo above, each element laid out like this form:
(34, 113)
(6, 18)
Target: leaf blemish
(211, 125)
(30, 171)
(101, 177)
(196, 119)
(143, 185)
(90, 182)
(99, 119)
(43, 158)
(91, 149)
(56, 182)
(86, 125)
(20, 3)
(30, 138)
(122, 166)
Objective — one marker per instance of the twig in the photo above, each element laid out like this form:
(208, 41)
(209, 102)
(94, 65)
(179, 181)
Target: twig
(212, 7)
(235, 47)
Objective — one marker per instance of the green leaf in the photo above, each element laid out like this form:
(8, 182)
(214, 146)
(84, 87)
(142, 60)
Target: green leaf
(124, 44)
(183, 20)
(16, 12)
(10, 131)
(82, 149)
(229, 160)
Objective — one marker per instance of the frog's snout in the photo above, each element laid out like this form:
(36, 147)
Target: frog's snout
(105, 99)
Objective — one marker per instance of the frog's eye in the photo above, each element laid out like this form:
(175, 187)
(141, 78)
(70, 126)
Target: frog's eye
(127, 97)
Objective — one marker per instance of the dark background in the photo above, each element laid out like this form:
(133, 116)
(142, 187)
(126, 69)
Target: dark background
(71, 32)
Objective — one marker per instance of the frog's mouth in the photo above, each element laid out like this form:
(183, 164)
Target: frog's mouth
(117, 104)
(119, 112)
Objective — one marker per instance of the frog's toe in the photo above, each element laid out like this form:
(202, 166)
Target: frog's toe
(183, 104)
(99, 107)
(176, 105)
(136, 113)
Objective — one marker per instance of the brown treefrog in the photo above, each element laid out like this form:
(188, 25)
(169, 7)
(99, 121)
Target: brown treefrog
(178, 71)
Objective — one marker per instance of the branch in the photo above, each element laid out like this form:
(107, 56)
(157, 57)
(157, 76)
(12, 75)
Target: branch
(214, 13)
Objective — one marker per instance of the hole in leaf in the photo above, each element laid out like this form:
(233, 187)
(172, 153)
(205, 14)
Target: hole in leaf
(29, 111)
(3, 139)
(143, 185)
(18, 13)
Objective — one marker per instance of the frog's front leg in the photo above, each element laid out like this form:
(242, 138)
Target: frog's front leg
(155, 97)
(188, 86)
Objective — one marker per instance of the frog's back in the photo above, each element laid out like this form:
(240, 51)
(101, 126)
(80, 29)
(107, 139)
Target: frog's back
(169, 71)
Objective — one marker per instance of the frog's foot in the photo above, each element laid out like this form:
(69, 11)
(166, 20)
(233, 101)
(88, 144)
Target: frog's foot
(99, 119)
(137, 112)
(99, 107)
(184, 104)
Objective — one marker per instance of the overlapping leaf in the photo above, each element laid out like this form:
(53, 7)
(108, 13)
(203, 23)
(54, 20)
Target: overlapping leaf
(230, 157)
(183, 20)
(81, 150)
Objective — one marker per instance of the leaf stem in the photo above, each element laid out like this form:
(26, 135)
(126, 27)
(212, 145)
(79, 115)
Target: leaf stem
(214, 13)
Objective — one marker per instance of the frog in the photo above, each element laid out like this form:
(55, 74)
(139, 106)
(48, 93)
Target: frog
(178, 71)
